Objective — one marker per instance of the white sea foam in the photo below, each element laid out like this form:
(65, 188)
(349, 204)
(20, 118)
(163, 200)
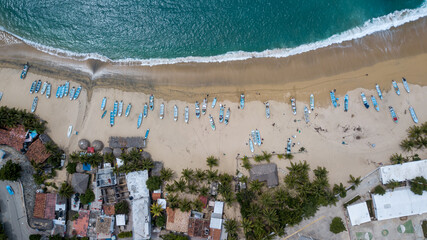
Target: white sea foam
(382, 23)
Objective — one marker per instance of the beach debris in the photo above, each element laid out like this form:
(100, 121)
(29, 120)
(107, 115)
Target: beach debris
(162, 111)
(67, 88)
(227, 116)
(83, 144)
(120, 112)
(413, 115)
(204, 106)
(128, 108)
(70, 130)
(97, 145)
(405, 84)
(364, 100)
(380, 95)
(115, 108)
(197, 109)
(211, 120)
(306, 117)
(33, 87)
(186, 114)
(393, 114)
(242, 101)
(138, 124)
(25, 70)
(48, 90)
(214, 103)
(312, 102)
(221, 113)
(267, 110)
(333, 99)
(346, 103)
(175, 113)
(34, 105)
(103, 114)
(43, 90)
(77, 93)
(104, 103)
(374, 102)
(151, 102)
(294, 106)
(396, 88)
(72, 92)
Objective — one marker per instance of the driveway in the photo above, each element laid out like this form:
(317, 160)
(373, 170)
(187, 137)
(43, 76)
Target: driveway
(12, 212)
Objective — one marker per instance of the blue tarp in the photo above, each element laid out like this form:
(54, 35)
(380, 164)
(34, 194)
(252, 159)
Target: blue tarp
(86, 166)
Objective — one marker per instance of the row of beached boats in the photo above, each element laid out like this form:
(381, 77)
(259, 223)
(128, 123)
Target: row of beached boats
(62, 90)
(255, 139)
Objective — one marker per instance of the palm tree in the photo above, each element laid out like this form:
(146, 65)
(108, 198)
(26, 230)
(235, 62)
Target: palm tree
(211, 175)
(340, 189)
(407, 145)
(185, 205)
(280, 196)
(170, 188)
(187, 173)
(247, 225)
(211, 161)
(180, 185)
(192, 188)
(397, 159)
(266, 156)
(198, 205)
(256, 186)
(415, 132)
(200, 174)
(66, 190)
(280, 156)
(228, 198)
(232, 228)
(166, 174)
(156, 209)
(246, 163)
(420, 142)
(204, 191)
(321, 173)
(270, 216)
(289, 156)
(355, 181)
(267, 199)
(225, 178)
(173, 201)
(258, 158)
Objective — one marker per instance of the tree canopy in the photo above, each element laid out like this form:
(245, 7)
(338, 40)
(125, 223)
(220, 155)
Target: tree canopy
(337, 225)
(87, 197)
(10, 171)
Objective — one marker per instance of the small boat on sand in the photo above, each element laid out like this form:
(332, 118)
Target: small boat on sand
(258, 137)
(70, 130)
(112, 118)
(38, 86)
(267, 110)
(396, 88)
(374, 102)
(186, 114)
(251, 145)
(364, 100)
(175, 113)
(380, 95)
(288, 146)
(43, 90)
(146, 133)
(204, 106)
(393, 114)
(197, 109)
(294, 106)
(346, 103)
(312, 102)
(103, 114)
(58, 91)
(413, 115)
(34, 105)
(151, 102)
(120, 108)
(77, 94)
(211, 120)
(67, 88)
(306, 117)
(1, 95)
(214, 103)
(115, 108)
(405, 85)
(242, 101)
(72, 92)
(48, 90)
(33, 87)
(162, 111)
(62, 92)
(104, 103)
(25, 70)
(139, 121)
(227, 116)
(333, 99)
(253, 135)
(145, 111)
(128, 108)
(221, 113)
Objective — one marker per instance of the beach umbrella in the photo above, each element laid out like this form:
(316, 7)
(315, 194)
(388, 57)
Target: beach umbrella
(117, 152)
(84, 144)
(107, 150)
(97, 145)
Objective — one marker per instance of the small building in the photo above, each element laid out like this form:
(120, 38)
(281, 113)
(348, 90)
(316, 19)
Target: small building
(105, 177)
(37, 152)
(44, 206)
(104, 227)
(358, 213)
(198, 227)
(216, 221)
(177, 220)
(81, 224)
(136, 182)
(60, 211)
(80, 182)
(399, 203)
(403, 172)
(121, 220)
(265, 173)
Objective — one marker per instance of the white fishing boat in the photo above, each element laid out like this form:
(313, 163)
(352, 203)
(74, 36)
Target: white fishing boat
(162, 111)
(70, 130)
(120, 108)
(374, 102)
(58, 91)
(396, 88)
(294, 106)
(145, 111)
(139, 121)
(258, 137)
(61, 93)
(151, 102)
(197, 109)
(72, 92)
(43, 88)
(38, 86)
(25, 70)
(306, 117)
(175, 113)
(251, 145)
(221, 113)
(48, 90)
(242, 101)
(227, 116)
(364, 100)
(413, 115)
(204, 106)
(214, 103)
(393, 114)
(312, 102)
(103, 103)
(34, 105)
(380, 94)
(186, 114)
(267, 110)
(405, 85)
(67, 88)
(77, 94)
(211, 120)
(128, 108)
(33, 87)
(115, 108)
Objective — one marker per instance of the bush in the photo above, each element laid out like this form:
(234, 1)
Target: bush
(379, 190)
(10, 171)
(75, 216)
(174, 236)
(35, 237)
(71, 167)
(122, 207)
(352, 201)
(161, 221)
(125, 235)
(87, 197)
(337, 225)
(418, 185)
(154, 183)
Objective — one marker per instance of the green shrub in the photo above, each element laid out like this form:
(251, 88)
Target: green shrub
(174, 236)
(122, 207)
(87, 197)
(337, 225)
(154, 183)
(125, 235)
(71, 167)
(418, 185)
(352, 201)
(35, 237)
(161, 221)
(10, 171)
(379, 190)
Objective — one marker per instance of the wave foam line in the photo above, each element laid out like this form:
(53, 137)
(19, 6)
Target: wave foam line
(382, 23)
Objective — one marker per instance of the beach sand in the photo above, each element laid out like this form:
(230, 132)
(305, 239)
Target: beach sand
(350, 68)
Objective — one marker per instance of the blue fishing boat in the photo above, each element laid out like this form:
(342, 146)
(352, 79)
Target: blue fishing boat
(413, 115)
(267, 110)
(364, 100)
(58, 91)
(405, 84)
(333, 99)
(43, 90)
(258, 137)
(48, 90)
(197, 109)
(145, 111)
(67, 88)
(294, 106)
(38, 86)
(312, 102)
(251, 145)
(214, 103)
(393, 114)
(112, 118)
(186, 114)
(242, 101)
(204, 106)
(146, 133)
(175, 113)
(104, 103)
(103, 114)
(374, 102)
(25, 70)
(115, 108)
(396, 88)
(227, 116)
(62, 92)
(306, 117)
(288, 146)
(128, 109)
(380, 95)
(253, 135)
(346, 103)
(211, 120)
(72, 92)
(33, 87)
(77, 94)
(34, 105)
(162, 111)
(221, 113)
(151, 102)
(1, 95)
(139, 121)
(120, 109)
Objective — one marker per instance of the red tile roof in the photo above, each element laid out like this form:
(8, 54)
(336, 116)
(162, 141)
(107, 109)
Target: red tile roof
(39, 205)
(49, 212)
(37, 152)
(197, 227)
(204, 200)
(13, 137)
(215, 234)
(108, 209)
(80, 224)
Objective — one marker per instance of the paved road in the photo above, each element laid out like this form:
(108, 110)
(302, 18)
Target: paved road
(13, 213)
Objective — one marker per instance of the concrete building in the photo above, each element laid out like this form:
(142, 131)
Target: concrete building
(216, 221)
(403, 172)
(358, 213)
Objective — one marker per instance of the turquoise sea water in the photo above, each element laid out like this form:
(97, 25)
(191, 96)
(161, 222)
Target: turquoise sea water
(156, 31)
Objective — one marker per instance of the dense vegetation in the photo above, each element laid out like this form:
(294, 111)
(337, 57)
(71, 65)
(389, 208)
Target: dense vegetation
(87, 197)
(66, 190)
(125, 234)
(133, 161)
(418, 185)
(337, 225)
(174, 236)
(417, 138)
(3, 235)
(122, 207)
(10, 171)
(12, 117)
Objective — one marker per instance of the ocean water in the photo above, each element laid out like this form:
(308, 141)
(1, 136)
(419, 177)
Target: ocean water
(152, 32)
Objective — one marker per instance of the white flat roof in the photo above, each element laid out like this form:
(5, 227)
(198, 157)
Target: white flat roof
(219, 207)
(403, 172)
(141, 219)
(358, 213)
(216, 223)
(120, 220)
(398, 203)
(137, 186)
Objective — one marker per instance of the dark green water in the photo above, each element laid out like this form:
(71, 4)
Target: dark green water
(172, 30)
